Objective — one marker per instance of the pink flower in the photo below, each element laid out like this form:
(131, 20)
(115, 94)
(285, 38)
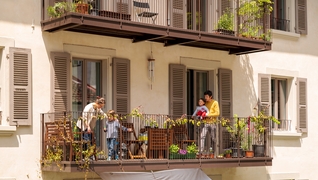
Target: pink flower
(182, 151)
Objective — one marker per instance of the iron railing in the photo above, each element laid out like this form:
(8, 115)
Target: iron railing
(152, 136)
(280, 24)
(197, 15)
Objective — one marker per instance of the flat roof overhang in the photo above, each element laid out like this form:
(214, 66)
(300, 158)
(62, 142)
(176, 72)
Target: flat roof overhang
(167, 35)
(163, 164)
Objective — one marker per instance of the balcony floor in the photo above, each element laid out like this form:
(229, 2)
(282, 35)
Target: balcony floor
(167, 35)
(161, 164)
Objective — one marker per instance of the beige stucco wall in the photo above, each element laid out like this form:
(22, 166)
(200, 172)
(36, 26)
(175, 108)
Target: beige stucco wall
(292, 56)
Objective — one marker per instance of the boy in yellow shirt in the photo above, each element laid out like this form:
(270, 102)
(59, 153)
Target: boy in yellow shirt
(214, 112)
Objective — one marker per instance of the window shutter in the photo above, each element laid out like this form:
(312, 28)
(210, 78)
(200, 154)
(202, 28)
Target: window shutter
(20, 86)
(302, 122)
(224, 5)
(264, 90)
(178, 11)
(177, 89)
(121, 85)
(225, 92)
(60, 82)
(301, 16)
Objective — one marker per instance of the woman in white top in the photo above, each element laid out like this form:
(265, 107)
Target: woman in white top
(91, 113)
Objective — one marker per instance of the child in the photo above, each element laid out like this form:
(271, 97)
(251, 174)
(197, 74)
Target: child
(201, 111)
(111, 128)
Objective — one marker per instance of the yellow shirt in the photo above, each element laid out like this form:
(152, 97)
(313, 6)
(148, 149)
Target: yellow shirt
(214, 110)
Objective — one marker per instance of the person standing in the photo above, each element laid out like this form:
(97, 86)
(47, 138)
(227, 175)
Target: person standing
(112, 127)
(211, 117)
(91, 113)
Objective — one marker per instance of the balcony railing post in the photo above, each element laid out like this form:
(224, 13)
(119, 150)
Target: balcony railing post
(42, 135)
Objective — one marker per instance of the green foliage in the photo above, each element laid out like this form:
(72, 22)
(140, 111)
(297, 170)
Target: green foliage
(174, 148)
(192, 148)
(225, 22)
(60, 8)
(227, 151)
(251, 11)
(260, 122)
(237, 129)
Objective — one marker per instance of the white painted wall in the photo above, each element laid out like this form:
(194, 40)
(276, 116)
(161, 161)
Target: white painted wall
(292, 56)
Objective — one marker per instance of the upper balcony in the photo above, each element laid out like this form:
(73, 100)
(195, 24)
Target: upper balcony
(199, 23)
(151, 142)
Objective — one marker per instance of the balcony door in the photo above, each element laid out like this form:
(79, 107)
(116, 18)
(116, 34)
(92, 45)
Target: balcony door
(198, 82)
(86, 86)
(197, 14)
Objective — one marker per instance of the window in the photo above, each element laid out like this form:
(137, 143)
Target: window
(273, 94)
(282, 16)
(279, 102)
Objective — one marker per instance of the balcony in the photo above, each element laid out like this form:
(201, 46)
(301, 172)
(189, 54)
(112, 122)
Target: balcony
(152, 142)
(280, 24)
(170, 22)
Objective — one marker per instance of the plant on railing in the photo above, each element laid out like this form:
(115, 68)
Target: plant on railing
(236, 129)
(60, 8)
(225, 23)
(251, 13)
(54, 152)
(193, 148)
(261, 123)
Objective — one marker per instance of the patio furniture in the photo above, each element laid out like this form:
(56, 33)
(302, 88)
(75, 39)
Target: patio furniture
(180, 135)
(142, 9)
(130, 138)
(159, 141)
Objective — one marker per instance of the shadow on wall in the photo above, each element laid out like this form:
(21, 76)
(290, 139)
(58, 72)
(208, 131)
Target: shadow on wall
(244, 93)
(246, 173)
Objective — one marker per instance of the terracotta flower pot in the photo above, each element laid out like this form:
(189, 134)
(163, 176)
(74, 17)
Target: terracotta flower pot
(249, 154)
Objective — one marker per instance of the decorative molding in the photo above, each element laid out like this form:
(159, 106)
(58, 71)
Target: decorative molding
(7, 131)
(286, 134)
(284, 34)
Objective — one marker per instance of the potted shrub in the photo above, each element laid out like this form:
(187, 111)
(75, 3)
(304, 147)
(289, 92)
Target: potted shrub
(236, 130)
(227, 153)
(251, 12)
(192, 150)
(225, 24)
(60, 8)
(261, 123)
(174, 149)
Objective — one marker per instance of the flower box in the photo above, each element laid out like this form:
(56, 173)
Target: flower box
(176, 156)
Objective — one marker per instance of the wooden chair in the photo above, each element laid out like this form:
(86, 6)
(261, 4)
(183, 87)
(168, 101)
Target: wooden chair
(60, 133)
(130, 138)
(159, 141)
(181, 135)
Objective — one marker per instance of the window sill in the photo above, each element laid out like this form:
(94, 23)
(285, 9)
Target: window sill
(7, 130)
(286, 134)
(284, 34)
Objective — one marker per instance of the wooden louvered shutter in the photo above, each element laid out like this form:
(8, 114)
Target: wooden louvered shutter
(20, 86)
(60, 82)
(225, 92)
(178, 13)
(302, 122)
(123, 7)
(177, 89)
(264, 90)
(225, 5)
(121, 85)
(301, 16)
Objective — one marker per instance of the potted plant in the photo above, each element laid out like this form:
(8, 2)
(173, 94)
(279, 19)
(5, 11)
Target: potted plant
(173, 150)
(227, 153)
(82, 6)
(236, 130)
(60, 8)
(225, 24)
(192, 150)
(251, 12)
(220, 156)
(211, 153)
(261, 124)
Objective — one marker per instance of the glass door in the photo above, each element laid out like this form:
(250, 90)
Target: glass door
(86, 86)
